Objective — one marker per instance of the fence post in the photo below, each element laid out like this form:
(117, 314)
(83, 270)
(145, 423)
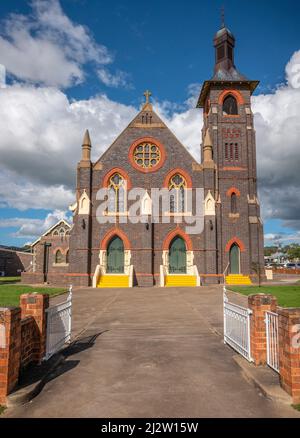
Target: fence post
(35, 305)
(10, 350)
(289, 351)
(260, 304)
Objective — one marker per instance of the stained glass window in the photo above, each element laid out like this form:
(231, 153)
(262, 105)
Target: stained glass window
(116, 194)
(147, 155)
(177, 187)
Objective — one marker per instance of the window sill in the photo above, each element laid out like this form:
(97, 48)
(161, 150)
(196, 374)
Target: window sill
(57, 265)
(186, 213)
(124, 213)
(234, 215)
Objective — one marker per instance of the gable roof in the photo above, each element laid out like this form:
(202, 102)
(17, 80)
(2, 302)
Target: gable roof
(146, 118)
(60, 222)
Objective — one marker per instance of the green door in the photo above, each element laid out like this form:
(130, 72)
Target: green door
(177, 256)
(115, 256)
(234, 259)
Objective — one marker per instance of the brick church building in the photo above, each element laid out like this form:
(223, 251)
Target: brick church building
(119, 253)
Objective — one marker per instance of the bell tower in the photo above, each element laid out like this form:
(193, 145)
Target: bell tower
(227, 116)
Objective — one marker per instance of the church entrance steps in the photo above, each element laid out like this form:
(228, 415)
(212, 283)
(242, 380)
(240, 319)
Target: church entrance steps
(238, 279)
(113, 280)
(178, 280)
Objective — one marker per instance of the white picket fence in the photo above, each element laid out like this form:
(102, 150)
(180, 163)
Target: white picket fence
(237, 327)
(59, 319)
(272, 340)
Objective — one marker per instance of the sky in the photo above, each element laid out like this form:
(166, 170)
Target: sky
(77, 64)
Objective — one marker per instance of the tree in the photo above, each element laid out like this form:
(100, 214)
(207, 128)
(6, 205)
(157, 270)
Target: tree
(269, 250)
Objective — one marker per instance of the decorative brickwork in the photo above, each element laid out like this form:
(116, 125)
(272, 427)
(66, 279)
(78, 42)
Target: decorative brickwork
(259, 305)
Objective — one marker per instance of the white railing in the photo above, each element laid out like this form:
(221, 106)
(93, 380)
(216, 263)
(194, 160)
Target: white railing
(272, 340)
(237, 327)
(58, 326)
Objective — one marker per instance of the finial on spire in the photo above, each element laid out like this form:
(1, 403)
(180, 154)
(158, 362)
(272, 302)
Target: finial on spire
(86, 139)
(222, 17)
(147, 94)
(86, 147)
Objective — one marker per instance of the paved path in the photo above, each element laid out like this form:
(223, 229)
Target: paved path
(149, 352)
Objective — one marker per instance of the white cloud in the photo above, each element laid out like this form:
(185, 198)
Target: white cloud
(117, 80)
(22, 194)
(47, 48)
(31, 228)
(42, 131)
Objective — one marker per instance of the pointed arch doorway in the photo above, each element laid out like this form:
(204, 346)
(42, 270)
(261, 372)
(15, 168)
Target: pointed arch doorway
(115, 256)
(177, 256)
(234, 259)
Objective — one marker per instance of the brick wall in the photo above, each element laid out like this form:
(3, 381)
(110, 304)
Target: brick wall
(10, 350)
(30, 342)
(259, 305)
(289, 340)
(22, 339)
(12, 263)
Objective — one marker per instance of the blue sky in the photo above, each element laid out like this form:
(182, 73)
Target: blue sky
(165, 46)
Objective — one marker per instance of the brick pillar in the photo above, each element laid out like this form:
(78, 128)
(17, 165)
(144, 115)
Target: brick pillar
(289, 351)
(10, 350)
(259, 304)
(35, 305)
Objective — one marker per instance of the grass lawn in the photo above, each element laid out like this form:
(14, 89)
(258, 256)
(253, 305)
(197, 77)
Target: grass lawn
(10, 293)
(287, 295)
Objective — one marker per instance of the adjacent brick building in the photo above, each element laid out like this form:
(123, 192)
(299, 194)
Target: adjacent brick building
(147, 155)
(14, 261)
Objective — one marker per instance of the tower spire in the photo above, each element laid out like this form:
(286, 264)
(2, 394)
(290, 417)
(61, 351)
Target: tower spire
(86, 147)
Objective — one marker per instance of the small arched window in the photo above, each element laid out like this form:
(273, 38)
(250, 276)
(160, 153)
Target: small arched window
(177, 188)
(67, 256)
(116, 194)
(233, 202)
(230, 106)
(58, 257)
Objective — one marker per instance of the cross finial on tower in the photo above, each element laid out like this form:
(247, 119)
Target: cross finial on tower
(222, 17)
(147, 94)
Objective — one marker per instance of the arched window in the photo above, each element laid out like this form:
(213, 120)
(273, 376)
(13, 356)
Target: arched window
(116, 194)
(67, 256)
(55, 233)
(58, 257)
(177, 188)
(230, 106)
(233, 203)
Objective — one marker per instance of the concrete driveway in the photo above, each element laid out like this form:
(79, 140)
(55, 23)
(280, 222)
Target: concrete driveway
(149, 352)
